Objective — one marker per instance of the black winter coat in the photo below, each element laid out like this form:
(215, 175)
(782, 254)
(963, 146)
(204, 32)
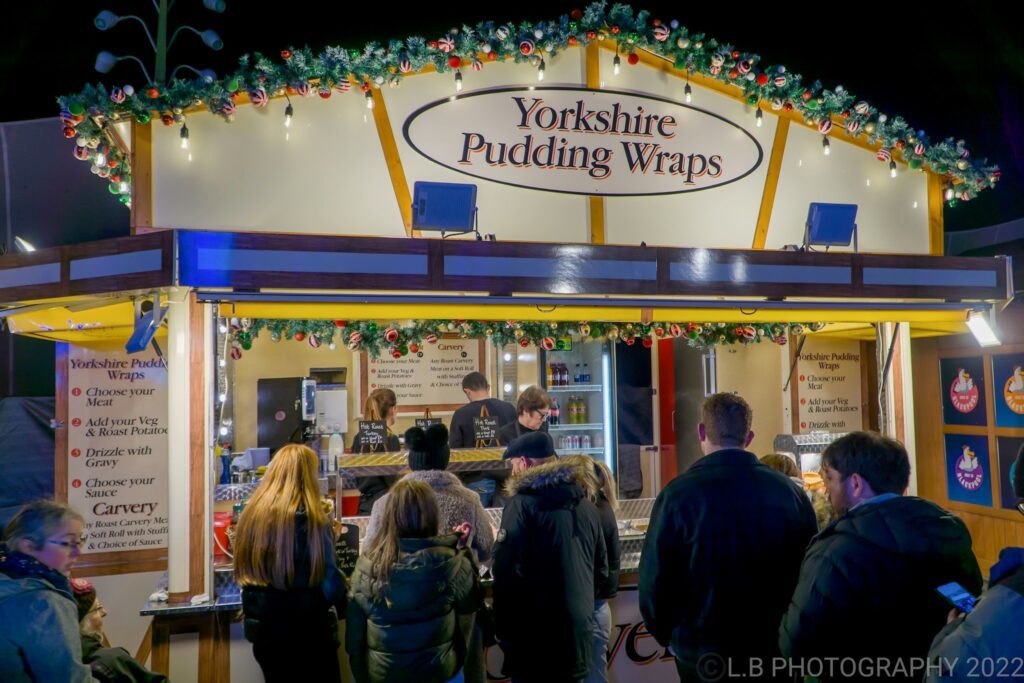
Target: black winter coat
(867, 585)
(548, 558)
(722, 556)
(114, 664)
(305, 610)
(372, 488)
(412, 634)
(607, 589)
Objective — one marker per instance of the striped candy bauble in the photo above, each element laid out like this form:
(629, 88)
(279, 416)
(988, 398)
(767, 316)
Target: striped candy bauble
(391, 335)
(547, 343)
(236, 352)
(314, 341)
(780, 81)
(749, 332)
(303, 89)
(744, 66)
(675, 330)
(964, 154)
(477, 64)
(343, 84)
(446, 44)
(430, 339)
(258, 97)
(324, 92)
(661, 33)
(861, 107)
(825, 126)
(68, 119)
(715, 69)
(919, 149)
(527, 47)
(117, 95)
(353, 340)
(82, 153)
(884, 154)
(501, 33)
(852, 127)
(227, 107)
(405, 66)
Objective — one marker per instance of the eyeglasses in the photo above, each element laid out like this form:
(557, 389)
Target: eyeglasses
(96, 608)
(544, 414)
(74, 545)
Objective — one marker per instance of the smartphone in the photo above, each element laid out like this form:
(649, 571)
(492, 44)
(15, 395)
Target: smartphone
(958, 596)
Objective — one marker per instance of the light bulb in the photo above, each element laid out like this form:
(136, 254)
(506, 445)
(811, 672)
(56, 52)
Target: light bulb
(949, 193)
(101, 159)
(508, 388)
(892, 169)
(824, 145)
(222, 398)
(458, 80)
(223, 329)
(759, 116)
(184, 136)
(223, 431)
(123, 187)
(369, 100)
(688, 93)
(615, 65)
(540, 71)
(222, 362)
(288, 113)
(508, 357)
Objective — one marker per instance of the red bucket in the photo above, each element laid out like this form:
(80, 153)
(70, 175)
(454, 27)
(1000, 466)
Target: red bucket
(221, 522)
(350, 502)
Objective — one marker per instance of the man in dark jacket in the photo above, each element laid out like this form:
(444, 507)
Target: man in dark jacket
(723, 552)
(973, 643)
(867, 585)
(548, 557)
(463, 435)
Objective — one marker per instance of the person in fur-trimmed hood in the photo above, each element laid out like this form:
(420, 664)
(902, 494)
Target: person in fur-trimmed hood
(428, 459)
(549, 555)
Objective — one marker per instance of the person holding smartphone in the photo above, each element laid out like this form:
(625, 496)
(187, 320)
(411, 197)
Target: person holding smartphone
(991, 632)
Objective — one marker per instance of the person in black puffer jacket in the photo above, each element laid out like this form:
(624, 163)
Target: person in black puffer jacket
(549, 557)
(867, 584)
(291, 600)
(408, 589)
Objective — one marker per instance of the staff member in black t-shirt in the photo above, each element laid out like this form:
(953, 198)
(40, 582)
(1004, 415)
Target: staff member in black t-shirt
(461, 434)
(381, 404)
(532, 411)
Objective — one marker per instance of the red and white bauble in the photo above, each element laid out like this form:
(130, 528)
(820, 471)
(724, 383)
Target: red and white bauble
(852, 126)
(661, 33)
(236, 352)
(919, 149)
(227, 107)
(430, 339)
(884, 154)
(749, 332)
(659, 331)
(743, 66)
(391, 335)
(405, 66)
(353, 340)
(825, 126)
(675, 330)
(82, 153)
(446, 44)
(302, 89)
(862, 107)
(526, 47)
(715, 69)
(780, 81)
(117, 95)
(395, 353)
(343, 85)
(314, 341)
(258, 97)
(324, 92)
(477, 64)
(547, 343)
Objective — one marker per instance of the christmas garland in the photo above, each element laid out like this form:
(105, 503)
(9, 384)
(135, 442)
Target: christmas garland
(400, 339)
(86, 116)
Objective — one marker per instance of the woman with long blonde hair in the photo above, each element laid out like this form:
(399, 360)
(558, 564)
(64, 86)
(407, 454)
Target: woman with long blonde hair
(381, 405)
(408, 589)
(292, 592)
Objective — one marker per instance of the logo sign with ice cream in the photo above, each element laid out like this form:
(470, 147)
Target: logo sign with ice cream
(966, 463)
(1008, 389)
(963, 382)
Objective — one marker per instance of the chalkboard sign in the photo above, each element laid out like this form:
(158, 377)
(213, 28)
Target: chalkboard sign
(425, 422)
(485, 428)
(346, 548)
(372, 435)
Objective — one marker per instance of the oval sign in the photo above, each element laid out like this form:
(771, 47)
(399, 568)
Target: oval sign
(583, 141)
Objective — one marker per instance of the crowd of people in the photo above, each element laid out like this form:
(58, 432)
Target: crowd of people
(738, 576)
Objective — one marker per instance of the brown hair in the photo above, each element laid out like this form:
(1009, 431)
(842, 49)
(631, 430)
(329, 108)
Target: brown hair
(266, 530)
(410, 511)
(475, 381)
(379, 403)
(607, 483)
(727, 419)
(534, 398)
(780, 462)
(37, 520)
(879, 460)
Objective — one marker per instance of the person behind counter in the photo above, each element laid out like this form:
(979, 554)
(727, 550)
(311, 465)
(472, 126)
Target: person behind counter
(291, 600)
(108, 664)
(381, 404)
(549, 558)
(408, 590)
(39, 638)
(461, 434)
(532, 411)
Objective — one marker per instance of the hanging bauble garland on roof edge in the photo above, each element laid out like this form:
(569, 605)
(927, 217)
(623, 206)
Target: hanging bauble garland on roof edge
(87, 115)
(398, 339)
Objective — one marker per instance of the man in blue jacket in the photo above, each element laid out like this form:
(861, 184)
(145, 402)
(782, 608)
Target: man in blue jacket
(723, 552)
(866, 595)
(990, 639)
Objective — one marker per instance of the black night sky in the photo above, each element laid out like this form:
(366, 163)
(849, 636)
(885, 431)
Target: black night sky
(953, 72)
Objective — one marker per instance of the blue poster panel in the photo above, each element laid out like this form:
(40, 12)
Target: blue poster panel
(968, 479)
(1008, 447)
(963, 391)
(1008, 389)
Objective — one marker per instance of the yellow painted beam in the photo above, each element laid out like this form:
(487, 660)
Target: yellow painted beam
(936, 224)
(771, 184)
(393, 160)
(596, 215)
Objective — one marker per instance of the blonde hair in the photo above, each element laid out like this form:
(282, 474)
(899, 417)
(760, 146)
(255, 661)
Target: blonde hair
(265, 537)
(410, 511)
(606, 482)
(780, 462)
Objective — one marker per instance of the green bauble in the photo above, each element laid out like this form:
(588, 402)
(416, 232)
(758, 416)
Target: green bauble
(403, 349)
(371, 327)
(142, 118)
(914, 163)
(812, 104)
(753, 99)
(114, 188)
(953, 202)
(231, 85)
(942, 169)
(246, 343)
(124, 199)
(76, 108)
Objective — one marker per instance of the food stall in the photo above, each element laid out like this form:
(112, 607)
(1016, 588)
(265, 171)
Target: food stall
(646, 194)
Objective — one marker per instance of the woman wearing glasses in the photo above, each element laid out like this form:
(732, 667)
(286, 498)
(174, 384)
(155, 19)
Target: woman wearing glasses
(39, 638)
(532, 410)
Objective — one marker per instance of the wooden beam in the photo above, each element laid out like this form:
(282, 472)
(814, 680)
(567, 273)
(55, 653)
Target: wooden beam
(60, 435)
(595, 204)
(771, 183)
(142, 178)
(198, 561)
(936, 225)
(393, 160)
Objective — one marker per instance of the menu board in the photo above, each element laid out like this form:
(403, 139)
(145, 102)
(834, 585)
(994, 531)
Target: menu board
(117, 448)
(429, 377)
(485, 429)
(968, 479)
(425, 422)
(373, 436)
(963, 391)
(1008, 389)
(828, 372)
